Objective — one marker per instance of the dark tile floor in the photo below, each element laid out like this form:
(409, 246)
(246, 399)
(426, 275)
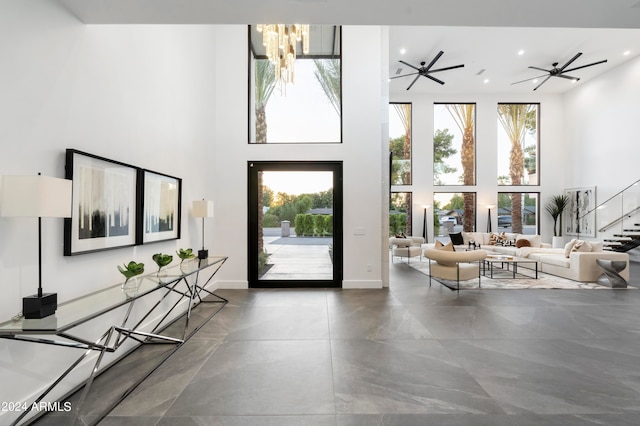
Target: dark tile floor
(407, 355)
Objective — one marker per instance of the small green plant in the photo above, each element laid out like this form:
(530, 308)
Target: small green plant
(162, 259)
(555, 207)
(131, 269)
(185, 254)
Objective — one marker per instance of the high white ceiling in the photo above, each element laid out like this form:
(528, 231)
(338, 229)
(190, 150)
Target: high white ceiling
(483, 35)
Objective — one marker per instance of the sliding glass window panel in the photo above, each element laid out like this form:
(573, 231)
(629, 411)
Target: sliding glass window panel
(453, 212)
(295, 94)
(454, 144)
(400, 214)
(400, 143)
(518, 212)
(518, 142)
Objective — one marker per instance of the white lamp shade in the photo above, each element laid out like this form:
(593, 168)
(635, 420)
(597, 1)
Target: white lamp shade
(202, 208)
(35, 196)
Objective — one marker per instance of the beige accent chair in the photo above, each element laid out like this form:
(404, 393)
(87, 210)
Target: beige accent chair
(454, 266)
(406, 247)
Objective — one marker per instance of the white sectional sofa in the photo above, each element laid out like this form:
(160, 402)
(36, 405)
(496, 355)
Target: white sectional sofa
(572, 264)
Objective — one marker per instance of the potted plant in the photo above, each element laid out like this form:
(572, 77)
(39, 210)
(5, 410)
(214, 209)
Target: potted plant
(130, 271)
(162, 260)
(185, 254)
(556, 207)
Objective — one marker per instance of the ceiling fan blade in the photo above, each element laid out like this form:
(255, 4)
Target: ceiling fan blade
(409, 65)
(568, 77)
(406, 75)
(570, 61)
(434, 60)
(434, 79)
(539, 69)
(543, 82)
(584, 66)
(445, 69)
(528, 79)
(413, 82)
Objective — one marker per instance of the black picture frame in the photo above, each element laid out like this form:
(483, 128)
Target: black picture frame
(159, 205)
(104, 204)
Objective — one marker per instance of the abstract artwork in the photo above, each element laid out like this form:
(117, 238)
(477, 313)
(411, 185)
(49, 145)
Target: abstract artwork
(160, 208)
(103, 205)
(580, 217)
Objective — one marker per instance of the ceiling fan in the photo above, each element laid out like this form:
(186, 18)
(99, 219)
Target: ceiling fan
(559, 72)
(426, 71)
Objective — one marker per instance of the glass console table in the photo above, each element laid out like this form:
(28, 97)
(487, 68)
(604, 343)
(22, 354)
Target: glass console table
(186, 282)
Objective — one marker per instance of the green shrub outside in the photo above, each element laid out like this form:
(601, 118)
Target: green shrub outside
(397, 223)
(299, 224)
(308, 225)
(328, 224)
(270, 221)
(319, 222)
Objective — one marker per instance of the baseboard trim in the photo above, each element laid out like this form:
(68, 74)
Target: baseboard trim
(353, 284)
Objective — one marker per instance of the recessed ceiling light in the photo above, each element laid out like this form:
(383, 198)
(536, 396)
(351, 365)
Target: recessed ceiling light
(403, 51)
(520, 52)
(486, 80)
(626, 52)
(534, 81)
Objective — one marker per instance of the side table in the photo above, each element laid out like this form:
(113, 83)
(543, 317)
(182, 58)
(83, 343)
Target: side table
(610, 273)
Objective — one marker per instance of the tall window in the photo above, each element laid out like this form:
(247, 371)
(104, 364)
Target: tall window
(400, 213)
(307, 109)
(454, 144)
(400, 143)
(452, 215)
(518, 144)
(518, 212)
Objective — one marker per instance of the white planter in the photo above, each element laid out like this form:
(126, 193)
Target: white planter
(557, 242)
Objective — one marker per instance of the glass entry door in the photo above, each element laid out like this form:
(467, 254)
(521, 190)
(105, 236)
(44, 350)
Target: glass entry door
(295, 224)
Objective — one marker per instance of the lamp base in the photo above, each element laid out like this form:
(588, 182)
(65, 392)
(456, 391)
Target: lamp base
(34, 307)
(203, 254)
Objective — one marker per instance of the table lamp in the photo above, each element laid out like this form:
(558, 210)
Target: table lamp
(202, 208)
(36, 196)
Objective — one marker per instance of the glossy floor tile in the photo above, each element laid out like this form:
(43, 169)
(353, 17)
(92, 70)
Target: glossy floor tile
(402, 356)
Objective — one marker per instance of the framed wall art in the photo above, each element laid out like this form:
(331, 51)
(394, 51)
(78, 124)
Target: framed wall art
(160, 207)
(104, 212)
(580, 218)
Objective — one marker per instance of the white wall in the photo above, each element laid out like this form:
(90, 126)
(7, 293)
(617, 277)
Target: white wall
(552, 152)
(361, 153)
(601, 131)
(144, 95)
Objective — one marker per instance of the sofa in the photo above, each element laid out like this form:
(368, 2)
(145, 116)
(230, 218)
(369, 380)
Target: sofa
(574, 263)
(405, 247)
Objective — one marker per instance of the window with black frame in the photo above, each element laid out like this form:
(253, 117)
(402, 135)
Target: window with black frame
(295, 90)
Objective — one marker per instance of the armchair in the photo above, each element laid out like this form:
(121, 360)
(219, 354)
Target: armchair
(406, 247)
(454, 266)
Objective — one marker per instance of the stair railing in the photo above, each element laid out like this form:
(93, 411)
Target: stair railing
(616, 211)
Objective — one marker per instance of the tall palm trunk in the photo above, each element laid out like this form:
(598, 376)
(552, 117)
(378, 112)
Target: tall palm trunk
(513, 118)
(265, 82)
(464, 116)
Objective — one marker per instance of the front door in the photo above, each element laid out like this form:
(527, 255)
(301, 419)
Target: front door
(295, 224)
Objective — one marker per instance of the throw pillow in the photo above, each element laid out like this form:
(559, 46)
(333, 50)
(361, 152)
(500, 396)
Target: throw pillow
(493, 239)
(568, 247)
(444, 247)
(523, 243)
(456, 239)
(581, 246)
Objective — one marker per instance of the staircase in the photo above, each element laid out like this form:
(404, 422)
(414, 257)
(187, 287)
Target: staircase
(625, 241)
(621, 216)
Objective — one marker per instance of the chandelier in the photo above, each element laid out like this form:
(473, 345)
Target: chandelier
(281, 43)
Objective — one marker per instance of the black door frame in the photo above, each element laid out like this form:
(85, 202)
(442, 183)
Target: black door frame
(253, 168)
